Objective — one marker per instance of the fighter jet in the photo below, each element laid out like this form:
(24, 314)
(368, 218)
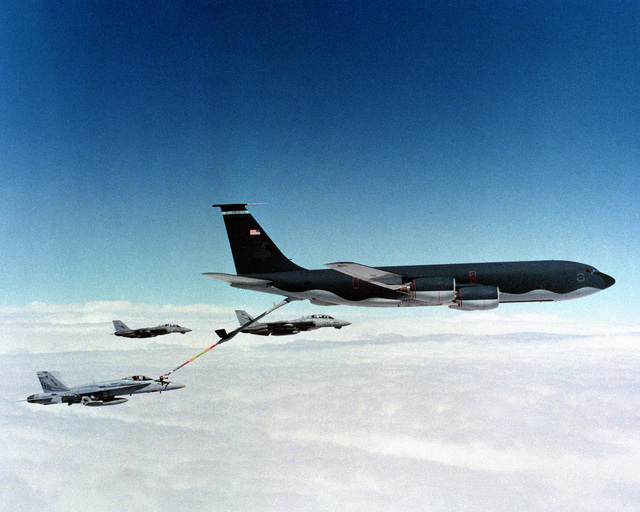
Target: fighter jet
(287, 327)
(262, 267)
(97, 393)
(147, 332)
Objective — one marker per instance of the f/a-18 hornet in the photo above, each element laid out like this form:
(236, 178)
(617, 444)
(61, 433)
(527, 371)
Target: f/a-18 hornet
(286, 327)
(96, 393)
(147, 332)
(262, 267)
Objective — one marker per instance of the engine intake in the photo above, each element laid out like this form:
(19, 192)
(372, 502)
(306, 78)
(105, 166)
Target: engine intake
(436, 290)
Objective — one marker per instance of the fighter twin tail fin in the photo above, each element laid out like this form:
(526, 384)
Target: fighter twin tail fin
(119, 325)
(243, 317)
(51, 381)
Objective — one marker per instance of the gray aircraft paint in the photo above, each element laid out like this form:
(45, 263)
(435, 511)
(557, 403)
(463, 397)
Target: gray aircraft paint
(147, 332)
(55, 391)
(288, 327)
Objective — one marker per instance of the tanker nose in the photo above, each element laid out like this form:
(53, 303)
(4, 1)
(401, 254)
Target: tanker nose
(607, 280)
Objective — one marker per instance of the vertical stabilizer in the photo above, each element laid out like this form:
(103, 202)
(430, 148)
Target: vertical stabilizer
(119, 326)
(50, 381)
(252, 249)
(243, 317)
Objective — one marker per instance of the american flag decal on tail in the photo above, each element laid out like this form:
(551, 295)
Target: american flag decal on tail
(254, 232)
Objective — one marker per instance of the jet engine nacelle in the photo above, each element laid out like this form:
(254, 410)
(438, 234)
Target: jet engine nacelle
(477, 298)
(86, 400)
(437, 290)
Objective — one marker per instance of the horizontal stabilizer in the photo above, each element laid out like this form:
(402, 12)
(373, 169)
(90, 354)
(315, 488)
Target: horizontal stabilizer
(233, 279)
(370, 275)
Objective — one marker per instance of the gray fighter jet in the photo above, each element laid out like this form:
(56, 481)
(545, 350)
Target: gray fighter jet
(96, 393)
(147, 332)
(287, 327)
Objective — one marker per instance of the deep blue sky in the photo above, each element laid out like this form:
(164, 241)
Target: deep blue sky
(380, 132)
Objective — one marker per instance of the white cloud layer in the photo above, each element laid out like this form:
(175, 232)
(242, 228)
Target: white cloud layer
(40, 327)
(440, 422)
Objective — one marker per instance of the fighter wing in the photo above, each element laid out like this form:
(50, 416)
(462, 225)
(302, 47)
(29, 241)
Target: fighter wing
(144, 333)
(371, 275)
(290, 324)
(100, 391)
(281, 327)
(276, 323)
(303, 325)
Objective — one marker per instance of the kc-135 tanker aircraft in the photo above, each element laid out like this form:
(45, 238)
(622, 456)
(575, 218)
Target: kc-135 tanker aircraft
(262, 267)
